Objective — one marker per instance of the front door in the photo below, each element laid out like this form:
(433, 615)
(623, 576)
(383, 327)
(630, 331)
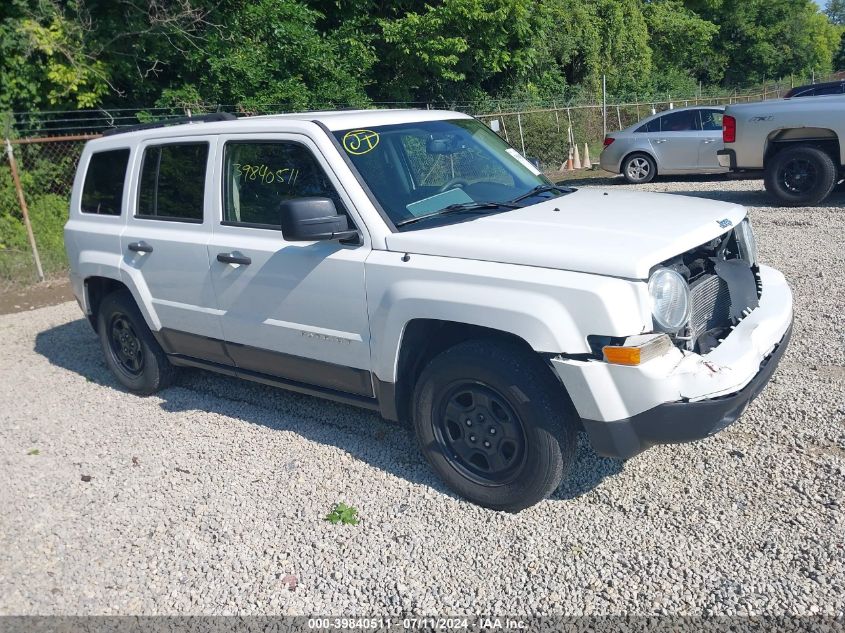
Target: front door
(294, 310)
(165, 241)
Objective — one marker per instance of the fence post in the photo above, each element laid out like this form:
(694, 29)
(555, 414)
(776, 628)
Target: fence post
(24, 210)
(604, 106)
(521, 137)
(504, 127)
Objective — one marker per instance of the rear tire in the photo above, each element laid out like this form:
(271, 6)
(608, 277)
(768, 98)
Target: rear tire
(639, 169)
(494, 423)
(131, 351)
(800, 176)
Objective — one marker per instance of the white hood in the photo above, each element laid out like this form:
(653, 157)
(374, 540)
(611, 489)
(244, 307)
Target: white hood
(619, 233)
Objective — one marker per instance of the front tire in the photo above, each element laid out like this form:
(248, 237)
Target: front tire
(639, 169)
(800, 176)
(131, 351)
(494, 424)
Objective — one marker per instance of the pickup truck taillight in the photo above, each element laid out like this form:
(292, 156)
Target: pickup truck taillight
(728, 129)
(608, 140)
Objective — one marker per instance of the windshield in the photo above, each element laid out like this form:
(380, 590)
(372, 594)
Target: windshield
(419, 171)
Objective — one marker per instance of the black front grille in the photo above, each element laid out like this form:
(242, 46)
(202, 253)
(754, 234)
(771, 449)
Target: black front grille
(710, 304)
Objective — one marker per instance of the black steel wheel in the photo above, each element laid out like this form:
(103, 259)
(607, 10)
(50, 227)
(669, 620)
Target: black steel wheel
(494, 423)
(132, 353)
(798, 176)
(477, 426)
(801, 175)
(125, 345)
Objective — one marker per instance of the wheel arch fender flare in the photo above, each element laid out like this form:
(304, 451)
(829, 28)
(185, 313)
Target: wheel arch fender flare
(528, 319)
(100, 264)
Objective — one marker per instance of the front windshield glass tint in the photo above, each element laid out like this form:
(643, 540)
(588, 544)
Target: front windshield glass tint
(418, 169)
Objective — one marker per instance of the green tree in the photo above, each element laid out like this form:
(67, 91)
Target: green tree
(839, 57)
(835, 11)
(568, 46)
(625, 56)
(682, 41)
(766, 39)
(44, 61)
(270, 52)
(450, 50)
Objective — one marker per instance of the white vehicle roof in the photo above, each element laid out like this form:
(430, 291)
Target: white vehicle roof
(333, 120)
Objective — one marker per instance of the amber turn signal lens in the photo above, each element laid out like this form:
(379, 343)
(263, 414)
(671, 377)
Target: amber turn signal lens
(636, 350)
(622, 355)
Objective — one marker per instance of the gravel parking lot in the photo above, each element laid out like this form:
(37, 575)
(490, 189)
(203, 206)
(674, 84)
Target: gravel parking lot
(210, 498)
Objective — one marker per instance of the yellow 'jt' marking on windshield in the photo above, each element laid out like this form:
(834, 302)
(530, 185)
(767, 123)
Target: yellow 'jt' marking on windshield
(359, 142)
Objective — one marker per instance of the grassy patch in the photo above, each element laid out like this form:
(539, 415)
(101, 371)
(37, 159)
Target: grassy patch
(342, 513)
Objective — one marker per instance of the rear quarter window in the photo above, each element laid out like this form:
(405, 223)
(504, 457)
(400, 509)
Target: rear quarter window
(102, 192)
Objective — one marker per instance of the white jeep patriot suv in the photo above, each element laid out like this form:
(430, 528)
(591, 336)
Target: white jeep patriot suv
(412, 263)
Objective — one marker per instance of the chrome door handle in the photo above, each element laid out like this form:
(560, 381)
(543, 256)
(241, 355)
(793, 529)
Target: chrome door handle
(661, 140)
(231, 258)
(710, 140)
(140, 247)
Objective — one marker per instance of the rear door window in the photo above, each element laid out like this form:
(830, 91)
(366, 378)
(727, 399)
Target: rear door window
(172, 183)
(711, 120)
(684, 121)
(102, 192)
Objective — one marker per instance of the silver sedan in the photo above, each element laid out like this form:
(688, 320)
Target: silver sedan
(679, 141)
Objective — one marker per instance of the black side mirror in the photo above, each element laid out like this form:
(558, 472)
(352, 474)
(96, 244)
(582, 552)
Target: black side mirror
(311, 219)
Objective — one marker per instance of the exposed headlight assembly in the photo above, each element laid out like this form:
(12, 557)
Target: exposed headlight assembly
(746, 241)
(670, 303)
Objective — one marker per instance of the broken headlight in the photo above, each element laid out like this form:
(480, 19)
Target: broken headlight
(746, 242)
(670, 303)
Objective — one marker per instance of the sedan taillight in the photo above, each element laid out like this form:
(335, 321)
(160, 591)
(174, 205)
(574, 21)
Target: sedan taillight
(608, 140)
(728, 129)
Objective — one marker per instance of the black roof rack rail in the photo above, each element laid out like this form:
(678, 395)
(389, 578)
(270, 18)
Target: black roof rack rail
(200, 118)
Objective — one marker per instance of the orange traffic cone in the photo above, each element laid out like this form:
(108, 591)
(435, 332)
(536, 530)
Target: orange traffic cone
(587, 163)
(577, 163)
(569, 166)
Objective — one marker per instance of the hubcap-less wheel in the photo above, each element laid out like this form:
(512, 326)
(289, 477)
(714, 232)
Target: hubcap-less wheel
(126, 346)
(480, 434)
(639, 169)
(798, 176)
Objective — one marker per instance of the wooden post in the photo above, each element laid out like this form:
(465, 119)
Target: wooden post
(24, 210)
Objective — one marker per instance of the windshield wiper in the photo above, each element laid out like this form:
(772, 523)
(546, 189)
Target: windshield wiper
(462, 207)
(542, 189)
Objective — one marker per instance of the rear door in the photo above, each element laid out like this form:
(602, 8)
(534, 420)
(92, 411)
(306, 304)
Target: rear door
(293, 310)
(676, 146)
(165, 241)
(711, 139)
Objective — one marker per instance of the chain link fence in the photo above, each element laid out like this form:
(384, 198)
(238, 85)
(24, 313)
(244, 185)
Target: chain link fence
(46, 157)
(45, 169)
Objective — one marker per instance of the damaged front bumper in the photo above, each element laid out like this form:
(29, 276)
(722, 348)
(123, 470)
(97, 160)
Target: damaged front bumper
(681, 396)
